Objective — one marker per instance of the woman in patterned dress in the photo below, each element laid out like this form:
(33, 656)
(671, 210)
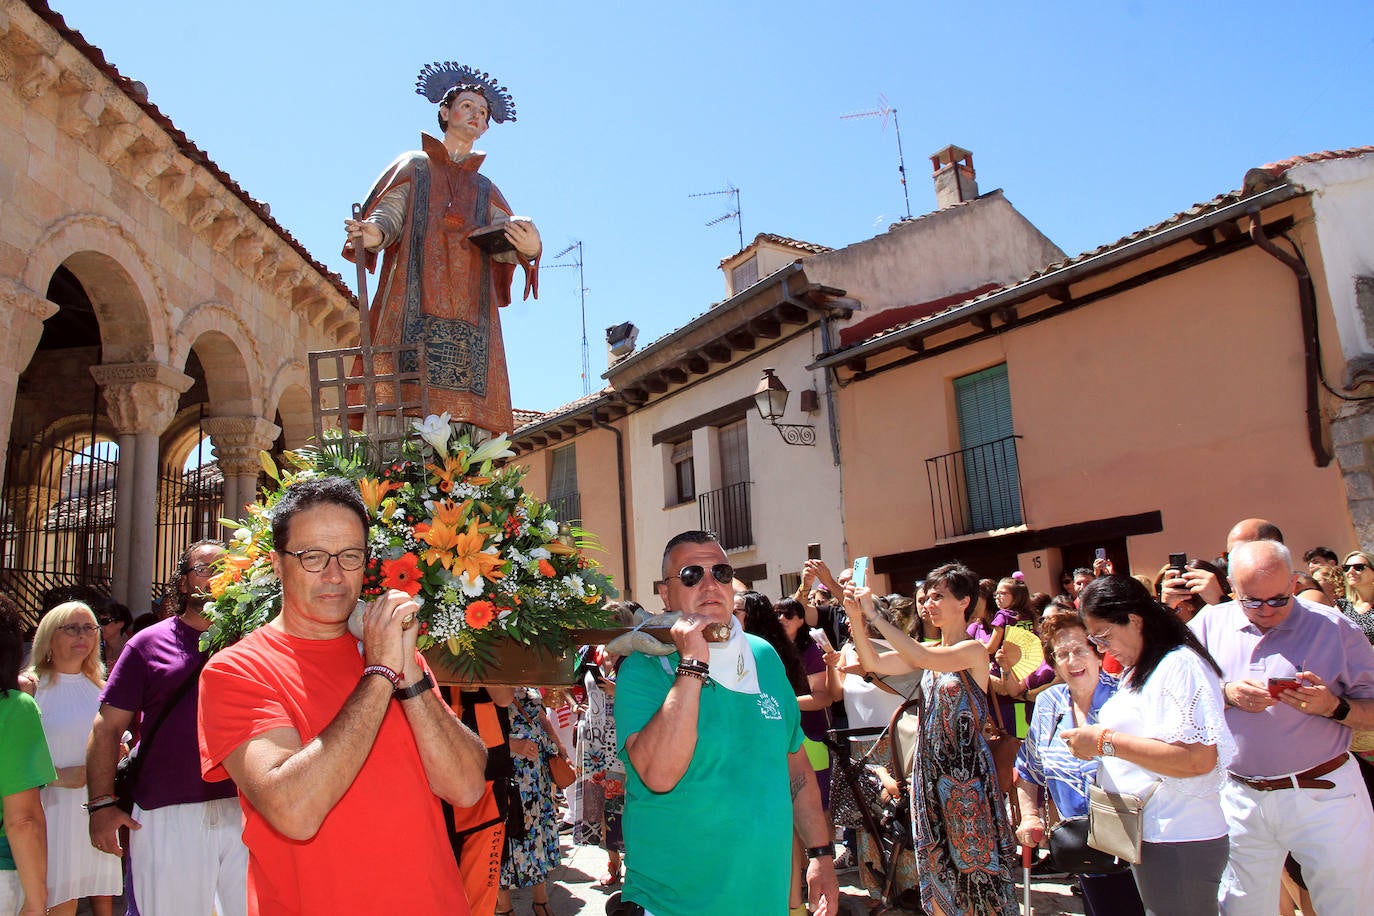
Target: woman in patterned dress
(965, 850)
(528, 861)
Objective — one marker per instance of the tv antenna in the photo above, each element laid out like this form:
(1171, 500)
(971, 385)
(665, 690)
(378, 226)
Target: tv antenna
(733, 214)
(582, 291)
(882, 111)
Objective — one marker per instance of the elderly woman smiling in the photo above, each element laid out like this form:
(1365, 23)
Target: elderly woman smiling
(1164, 729)
(1047, 764)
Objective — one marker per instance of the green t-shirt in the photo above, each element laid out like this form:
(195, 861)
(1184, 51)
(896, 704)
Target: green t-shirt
(24, 759)
(720, 841)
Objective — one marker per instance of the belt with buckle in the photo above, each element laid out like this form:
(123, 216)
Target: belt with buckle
(1304, 780)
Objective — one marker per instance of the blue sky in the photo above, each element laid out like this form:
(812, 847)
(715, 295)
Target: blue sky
(1096, 119)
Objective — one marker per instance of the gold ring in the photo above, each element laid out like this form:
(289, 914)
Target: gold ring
(406, 621)
(1304, 704)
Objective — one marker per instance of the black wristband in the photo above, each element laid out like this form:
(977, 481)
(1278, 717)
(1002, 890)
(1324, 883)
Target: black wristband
(692, 664)
(414, 690)
(93, 808)
(815, 852)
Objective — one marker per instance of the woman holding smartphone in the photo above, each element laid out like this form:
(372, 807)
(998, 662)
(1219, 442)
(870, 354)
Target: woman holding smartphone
(963, 840)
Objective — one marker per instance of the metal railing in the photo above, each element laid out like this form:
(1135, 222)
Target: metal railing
(975, 489)
(726, 512)
(567, 508)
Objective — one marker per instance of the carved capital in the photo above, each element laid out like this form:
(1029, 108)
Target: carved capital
(141, 397)
(21, 324)
(252, 433)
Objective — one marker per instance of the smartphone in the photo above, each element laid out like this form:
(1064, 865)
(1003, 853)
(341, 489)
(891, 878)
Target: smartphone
(813, 551)
(860, 572)
(821, 639)
(1100, 553)
(1178, 561)
(1279, 684)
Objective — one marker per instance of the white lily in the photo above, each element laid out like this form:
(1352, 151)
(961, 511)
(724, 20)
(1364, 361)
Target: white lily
(492, 449)
(435, 430)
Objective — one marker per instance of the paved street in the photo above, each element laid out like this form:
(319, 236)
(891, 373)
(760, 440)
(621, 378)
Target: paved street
(573, 890)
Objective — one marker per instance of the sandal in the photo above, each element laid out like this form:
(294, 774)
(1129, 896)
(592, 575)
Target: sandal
(610, 879)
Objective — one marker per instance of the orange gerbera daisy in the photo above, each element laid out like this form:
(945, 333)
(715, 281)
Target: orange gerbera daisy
(402, 573)
(546, 569)
(479, 614)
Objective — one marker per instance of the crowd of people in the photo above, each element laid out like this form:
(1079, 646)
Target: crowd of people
(1232, 699)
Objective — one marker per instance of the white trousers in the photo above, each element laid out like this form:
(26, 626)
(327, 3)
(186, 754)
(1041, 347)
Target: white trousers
(1330, 833)
(189, 859)
(11, 893)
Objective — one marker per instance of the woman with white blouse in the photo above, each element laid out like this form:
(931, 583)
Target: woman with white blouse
(1163, 730)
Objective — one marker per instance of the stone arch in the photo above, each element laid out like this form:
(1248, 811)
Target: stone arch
(288, 396)
(123, 285)
(228, 354)
(228, 376)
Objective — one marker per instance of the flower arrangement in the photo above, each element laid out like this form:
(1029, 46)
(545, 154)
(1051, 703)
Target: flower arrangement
(486, 560)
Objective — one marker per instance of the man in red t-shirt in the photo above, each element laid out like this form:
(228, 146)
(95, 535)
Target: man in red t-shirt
(341, 753)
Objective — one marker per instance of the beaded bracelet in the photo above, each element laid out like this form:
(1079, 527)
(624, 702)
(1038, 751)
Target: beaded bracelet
(383, 671)
(684, 671)
(693, 664)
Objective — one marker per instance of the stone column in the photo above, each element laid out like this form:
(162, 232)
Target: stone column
(22, 313)
(238, 440)
(141, 400)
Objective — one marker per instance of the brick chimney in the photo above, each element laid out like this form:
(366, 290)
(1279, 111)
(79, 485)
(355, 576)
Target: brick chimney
(954, 177)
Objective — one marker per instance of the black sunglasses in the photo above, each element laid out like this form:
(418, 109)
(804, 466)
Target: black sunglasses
(690, 576)
(1356, 567)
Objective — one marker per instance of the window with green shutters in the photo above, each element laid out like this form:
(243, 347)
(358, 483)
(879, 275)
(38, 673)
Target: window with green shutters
(991, 482)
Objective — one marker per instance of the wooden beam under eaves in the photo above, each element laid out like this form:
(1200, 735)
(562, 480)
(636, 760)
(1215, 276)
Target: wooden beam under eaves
(790, 314)
(716, 352)
(1059, 293)
(740, 340)
(695, 365)
(636, 396)
(674, 374)
(767, 328)
(655, 383)
(982, 320)
(916, 344)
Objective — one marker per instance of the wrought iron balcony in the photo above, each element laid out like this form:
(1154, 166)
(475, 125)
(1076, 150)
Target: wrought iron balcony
(567, 508)
(975, 489)
(726, 512)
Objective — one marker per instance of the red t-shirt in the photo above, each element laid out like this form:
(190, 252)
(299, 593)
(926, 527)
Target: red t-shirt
(383, 848)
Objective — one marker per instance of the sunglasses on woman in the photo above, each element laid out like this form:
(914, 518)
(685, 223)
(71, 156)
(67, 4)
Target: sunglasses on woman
(691, 576)
(1356, 567)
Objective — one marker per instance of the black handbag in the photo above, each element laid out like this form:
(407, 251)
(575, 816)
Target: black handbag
(1071, 854)
(128, 768)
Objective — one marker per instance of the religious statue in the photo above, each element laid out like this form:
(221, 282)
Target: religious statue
(451, 246)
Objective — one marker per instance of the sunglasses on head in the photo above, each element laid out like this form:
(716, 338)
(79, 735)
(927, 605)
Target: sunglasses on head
(691, 576)
(788, 615)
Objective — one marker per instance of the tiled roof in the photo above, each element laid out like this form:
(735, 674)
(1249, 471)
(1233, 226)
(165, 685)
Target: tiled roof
(1273, 171)
(1277, 169)
(138, 95)
(524, 418)
(783, 241)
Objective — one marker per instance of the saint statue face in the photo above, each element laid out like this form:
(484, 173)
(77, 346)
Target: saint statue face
(467, 116)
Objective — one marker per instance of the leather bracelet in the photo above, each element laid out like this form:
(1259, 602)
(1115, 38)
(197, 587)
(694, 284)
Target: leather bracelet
(93, 807)
(425, 683)
(692, 664)
(383, 671)
(683, 671)
(815, 852)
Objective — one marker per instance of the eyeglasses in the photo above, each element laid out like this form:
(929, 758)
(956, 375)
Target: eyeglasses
(1102, 640)
(1066, 655)
(316, 560)
(78, 629)
(690, 576)
(1255, 604)
(1356, 567)
(199, 569)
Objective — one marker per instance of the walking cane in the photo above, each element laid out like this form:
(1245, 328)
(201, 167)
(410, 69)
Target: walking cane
(369, 377)
(1027, 854)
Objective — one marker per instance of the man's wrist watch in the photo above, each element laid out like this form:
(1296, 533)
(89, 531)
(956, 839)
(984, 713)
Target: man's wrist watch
(414, 690)
(815, 852)
(1341, 711)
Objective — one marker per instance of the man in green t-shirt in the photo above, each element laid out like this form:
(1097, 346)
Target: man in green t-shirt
(716, 780)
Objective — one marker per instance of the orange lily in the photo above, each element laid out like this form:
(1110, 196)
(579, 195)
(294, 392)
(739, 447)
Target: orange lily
(447, 513)
(469, 558)
(374, 491)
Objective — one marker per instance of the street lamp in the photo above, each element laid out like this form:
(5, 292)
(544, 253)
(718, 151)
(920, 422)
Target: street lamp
(770, 397)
